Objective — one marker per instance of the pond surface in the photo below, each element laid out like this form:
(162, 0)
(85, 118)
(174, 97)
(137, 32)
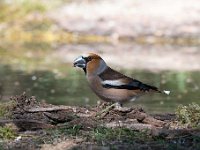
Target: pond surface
(30, 67)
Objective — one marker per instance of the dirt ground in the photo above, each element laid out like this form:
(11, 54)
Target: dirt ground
(44, 126)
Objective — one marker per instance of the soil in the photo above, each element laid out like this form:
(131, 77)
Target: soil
(44, 126)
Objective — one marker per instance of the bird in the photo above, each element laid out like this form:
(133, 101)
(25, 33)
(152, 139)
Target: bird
(110, 85)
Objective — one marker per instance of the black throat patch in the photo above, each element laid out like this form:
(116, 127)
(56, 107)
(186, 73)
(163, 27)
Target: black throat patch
(84, 69)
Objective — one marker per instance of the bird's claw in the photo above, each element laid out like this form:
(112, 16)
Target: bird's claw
(123, 109)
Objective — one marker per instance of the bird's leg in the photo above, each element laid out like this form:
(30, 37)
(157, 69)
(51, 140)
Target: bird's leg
(118, 107)
(102, 104)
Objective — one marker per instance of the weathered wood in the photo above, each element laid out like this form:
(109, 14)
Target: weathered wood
(145, 118)
(134, 126)
(48, 109)
(47, 116)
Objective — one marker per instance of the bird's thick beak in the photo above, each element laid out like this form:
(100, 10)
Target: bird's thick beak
(80, 62)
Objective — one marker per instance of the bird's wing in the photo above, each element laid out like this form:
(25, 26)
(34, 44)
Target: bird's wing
(113, 79)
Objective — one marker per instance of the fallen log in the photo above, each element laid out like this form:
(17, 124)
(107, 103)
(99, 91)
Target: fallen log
(48, 116)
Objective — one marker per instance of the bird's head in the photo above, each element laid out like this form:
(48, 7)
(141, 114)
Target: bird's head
(90, 63)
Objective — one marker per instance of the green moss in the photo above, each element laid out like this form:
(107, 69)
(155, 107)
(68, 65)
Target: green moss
(189, 115)
(102, 134)
(119, 138)
(7, 133)
(5, 109)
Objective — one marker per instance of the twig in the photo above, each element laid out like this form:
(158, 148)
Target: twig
(48, 109)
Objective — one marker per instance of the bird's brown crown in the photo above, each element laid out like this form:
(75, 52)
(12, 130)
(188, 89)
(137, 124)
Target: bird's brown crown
(92, 56)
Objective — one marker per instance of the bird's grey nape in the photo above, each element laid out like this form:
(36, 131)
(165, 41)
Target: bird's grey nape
(102, 67)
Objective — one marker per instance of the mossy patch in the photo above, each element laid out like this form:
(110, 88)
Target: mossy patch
(189, 116)
(7, 132)
(103, 135)
(6, 109)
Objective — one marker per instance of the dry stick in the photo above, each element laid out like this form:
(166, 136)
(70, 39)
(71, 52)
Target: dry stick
(143, 117)
(105, 110)
(134, 126)
(48, 109)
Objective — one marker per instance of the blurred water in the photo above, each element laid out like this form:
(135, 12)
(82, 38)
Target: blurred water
(72, 88)
(35, 69)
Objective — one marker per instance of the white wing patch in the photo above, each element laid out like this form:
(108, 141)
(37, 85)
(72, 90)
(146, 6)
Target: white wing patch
(113, 82)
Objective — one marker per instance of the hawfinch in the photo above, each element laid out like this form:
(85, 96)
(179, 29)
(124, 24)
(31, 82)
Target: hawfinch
(110, 85)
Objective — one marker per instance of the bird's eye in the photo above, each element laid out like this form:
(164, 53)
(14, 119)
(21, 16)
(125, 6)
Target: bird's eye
(88, 59)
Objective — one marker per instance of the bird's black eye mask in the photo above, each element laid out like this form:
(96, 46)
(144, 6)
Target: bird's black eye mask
(87, 59)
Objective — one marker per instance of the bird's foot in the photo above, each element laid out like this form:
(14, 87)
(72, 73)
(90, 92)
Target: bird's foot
(102, 104)
(118, 107)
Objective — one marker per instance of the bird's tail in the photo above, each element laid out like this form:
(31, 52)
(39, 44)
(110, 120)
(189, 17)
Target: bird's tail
(157, 90)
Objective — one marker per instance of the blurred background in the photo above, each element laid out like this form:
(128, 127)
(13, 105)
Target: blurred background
(155, 41)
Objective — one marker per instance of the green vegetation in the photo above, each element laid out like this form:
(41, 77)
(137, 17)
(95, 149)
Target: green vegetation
(6, 109)
(69, 131)
(25, 21)
(98, 134)
(102, 134)
(189, 115)
(61, 133)
(113, 138)
(117, 138)
(7, 133)
(16, 10)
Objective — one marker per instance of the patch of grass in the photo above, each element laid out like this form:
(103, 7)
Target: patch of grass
(7, 133)
(72, 131)
(102, 134)
(99, 134)
(189, 115)
(119, 138)
(60, 133)
(5, 109)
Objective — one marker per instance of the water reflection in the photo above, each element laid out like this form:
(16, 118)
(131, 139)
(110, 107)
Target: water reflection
(72, 88)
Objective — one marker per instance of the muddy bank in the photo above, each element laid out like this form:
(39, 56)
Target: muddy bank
(147, 34)
(134, 56)
(131, 19)
(41, 126)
